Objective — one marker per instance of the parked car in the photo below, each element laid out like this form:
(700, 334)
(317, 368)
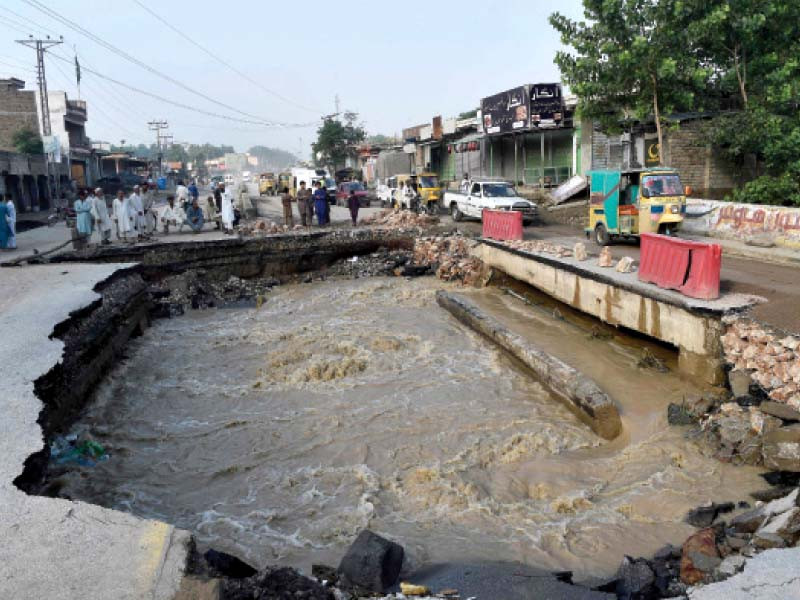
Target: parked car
(124, 181)
(343, 193)
(488, 194)
(386, 191)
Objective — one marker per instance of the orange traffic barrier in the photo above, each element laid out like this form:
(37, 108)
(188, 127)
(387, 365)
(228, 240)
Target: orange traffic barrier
(692, 268)
(502, 224)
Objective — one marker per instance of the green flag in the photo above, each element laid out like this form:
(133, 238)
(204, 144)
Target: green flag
(77, 70)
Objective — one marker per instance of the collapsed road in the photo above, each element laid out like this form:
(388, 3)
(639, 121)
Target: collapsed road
(279, 427)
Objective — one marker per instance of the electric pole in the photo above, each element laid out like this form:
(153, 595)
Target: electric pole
(41, 47)
(157, 126)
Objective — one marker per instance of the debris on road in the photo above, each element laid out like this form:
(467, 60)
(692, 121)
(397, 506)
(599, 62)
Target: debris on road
(451, 258)
(579, 251)
(265, 227)
(605, 259)
(625, 265)
(540, 247)
(400, 219)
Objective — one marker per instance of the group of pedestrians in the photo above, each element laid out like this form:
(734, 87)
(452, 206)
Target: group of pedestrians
(133, 217)
(8, 223)
(311, 203)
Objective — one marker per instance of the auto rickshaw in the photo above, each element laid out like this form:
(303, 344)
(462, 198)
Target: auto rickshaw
(285, 181)
(266, 184)
(627, 203)
(427, 187)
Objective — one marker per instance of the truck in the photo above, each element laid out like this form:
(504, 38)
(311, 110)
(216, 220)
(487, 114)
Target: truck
(488, 194)
(311, 177)
(627, 203)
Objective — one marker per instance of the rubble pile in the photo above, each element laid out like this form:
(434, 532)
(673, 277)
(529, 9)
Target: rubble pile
(450, 258)
(264, 227)
(400, 219)
(540, 247)
(717, 551)
(771, 360)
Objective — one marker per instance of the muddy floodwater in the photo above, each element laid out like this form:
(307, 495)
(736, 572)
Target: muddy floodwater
(277, 433)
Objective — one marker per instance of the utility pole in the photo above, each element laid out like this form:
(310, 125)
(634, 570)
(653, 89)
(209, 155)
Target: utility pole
(336, 103)
(41, 47)
(157, 126)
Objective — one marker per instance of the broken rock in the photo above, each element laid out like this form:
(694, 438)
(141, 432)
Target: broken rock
(781, 448)
(372, 562)
(625, 264)
(740, 382)
(605, 259)
(699, 552)
(780, 410)
(635, 578)
(579, 251)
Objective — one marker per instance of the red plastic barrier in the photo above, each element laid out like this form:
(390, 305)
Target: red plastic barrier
(692, 268)
(502, 224)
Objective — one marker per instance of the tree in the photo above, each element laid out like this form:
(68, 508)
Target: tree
(631, 61)
(380, 140)
(27, 141)
(336, 140)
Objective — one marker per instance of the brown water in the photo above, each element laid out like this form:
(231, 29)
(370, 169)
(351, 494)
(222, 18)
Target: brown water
(278, 433)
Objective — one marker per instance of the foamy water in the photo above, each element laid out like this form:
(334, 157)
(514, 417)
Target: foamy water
(278, 433)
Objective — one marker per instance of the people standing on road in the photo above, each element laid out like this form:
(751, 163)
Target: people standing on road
(182, 193)
(11, 221)
(303, 205)
(102, 221)
(124, 216)
(321, 205)
(218, 191)
(194, 218)
(149, 206)
(83, 214)
(4, 229)
(286, 200)
(226, 214)
(353, 204)
(135, 202)
(194, 193)
(172, 214)
(410, 197)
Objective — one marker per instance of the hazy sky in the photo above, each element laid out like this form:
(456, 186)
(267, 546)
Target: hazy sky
(395, 63)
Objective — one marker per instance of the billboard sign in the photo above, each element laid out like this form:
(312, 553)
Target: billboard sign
(546, 104)
(507, 111)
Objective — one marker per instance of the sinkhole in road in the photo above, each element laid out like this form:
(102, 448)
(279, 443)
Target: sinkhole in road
(277, 433)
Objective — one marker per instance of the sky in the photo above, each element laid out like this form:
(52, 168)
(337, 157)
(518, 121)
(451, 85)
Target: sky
(397, 64)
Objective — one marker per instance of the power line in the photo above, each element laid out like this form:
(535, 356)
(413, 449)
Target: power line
(26, 21)
(223, 62)
(74, 26)
(181, 104)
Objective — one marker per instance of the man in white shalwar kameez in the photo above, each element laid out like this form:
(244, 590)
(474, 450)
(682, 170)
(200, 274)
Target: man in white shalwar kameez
(227, 211)
(135, 202)
(171, 215)
(100, 214)
(123, 217)
(149, 205)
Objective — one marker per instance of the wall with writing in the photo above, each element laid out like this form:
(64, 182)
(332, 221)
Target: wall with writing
(744, 222)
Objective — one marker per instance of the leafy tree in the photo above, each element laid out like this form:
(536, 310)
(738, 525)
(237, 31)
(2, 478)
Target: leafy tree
(379, 139)
(27, 141)
(336, 140)
(470, 114)
(631, 61)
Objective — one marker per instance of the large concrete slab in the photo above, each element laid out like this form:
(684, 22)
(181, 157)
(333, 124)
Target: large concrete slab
(771, 575)
(54, 548)
(620, 299)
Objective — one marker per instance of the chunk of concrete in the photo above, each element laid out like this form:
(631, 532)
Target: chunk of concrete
(731, 565)
(781, 448)
(770, 575)
(739, 382)
(371, 563)
(196, 588)
(625, 265)
(605, 259)
(579, 393)
(780, 410)
(579, 251)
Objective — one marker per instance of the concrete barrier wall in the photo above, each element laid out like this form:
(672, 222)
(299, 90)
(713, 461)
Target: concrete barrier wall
(755, 223)
(581, 394)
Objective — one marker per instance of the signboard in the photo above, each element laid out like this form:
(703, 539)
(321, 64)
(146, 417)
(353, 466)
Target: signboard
(507, 111)
(652, 153)
(546, 104)
(52, 146)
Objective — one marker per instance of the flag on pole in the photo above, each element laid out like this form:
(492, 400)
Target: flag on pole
(77, 70)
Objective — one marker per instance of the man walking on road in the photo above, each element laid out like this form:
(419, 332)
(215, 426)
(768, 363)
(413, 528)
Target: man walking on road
(194, 193)
(353, 204)
(286, 200)
(182, 193)
(11, 221)
(303, 204)
(321, 205)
